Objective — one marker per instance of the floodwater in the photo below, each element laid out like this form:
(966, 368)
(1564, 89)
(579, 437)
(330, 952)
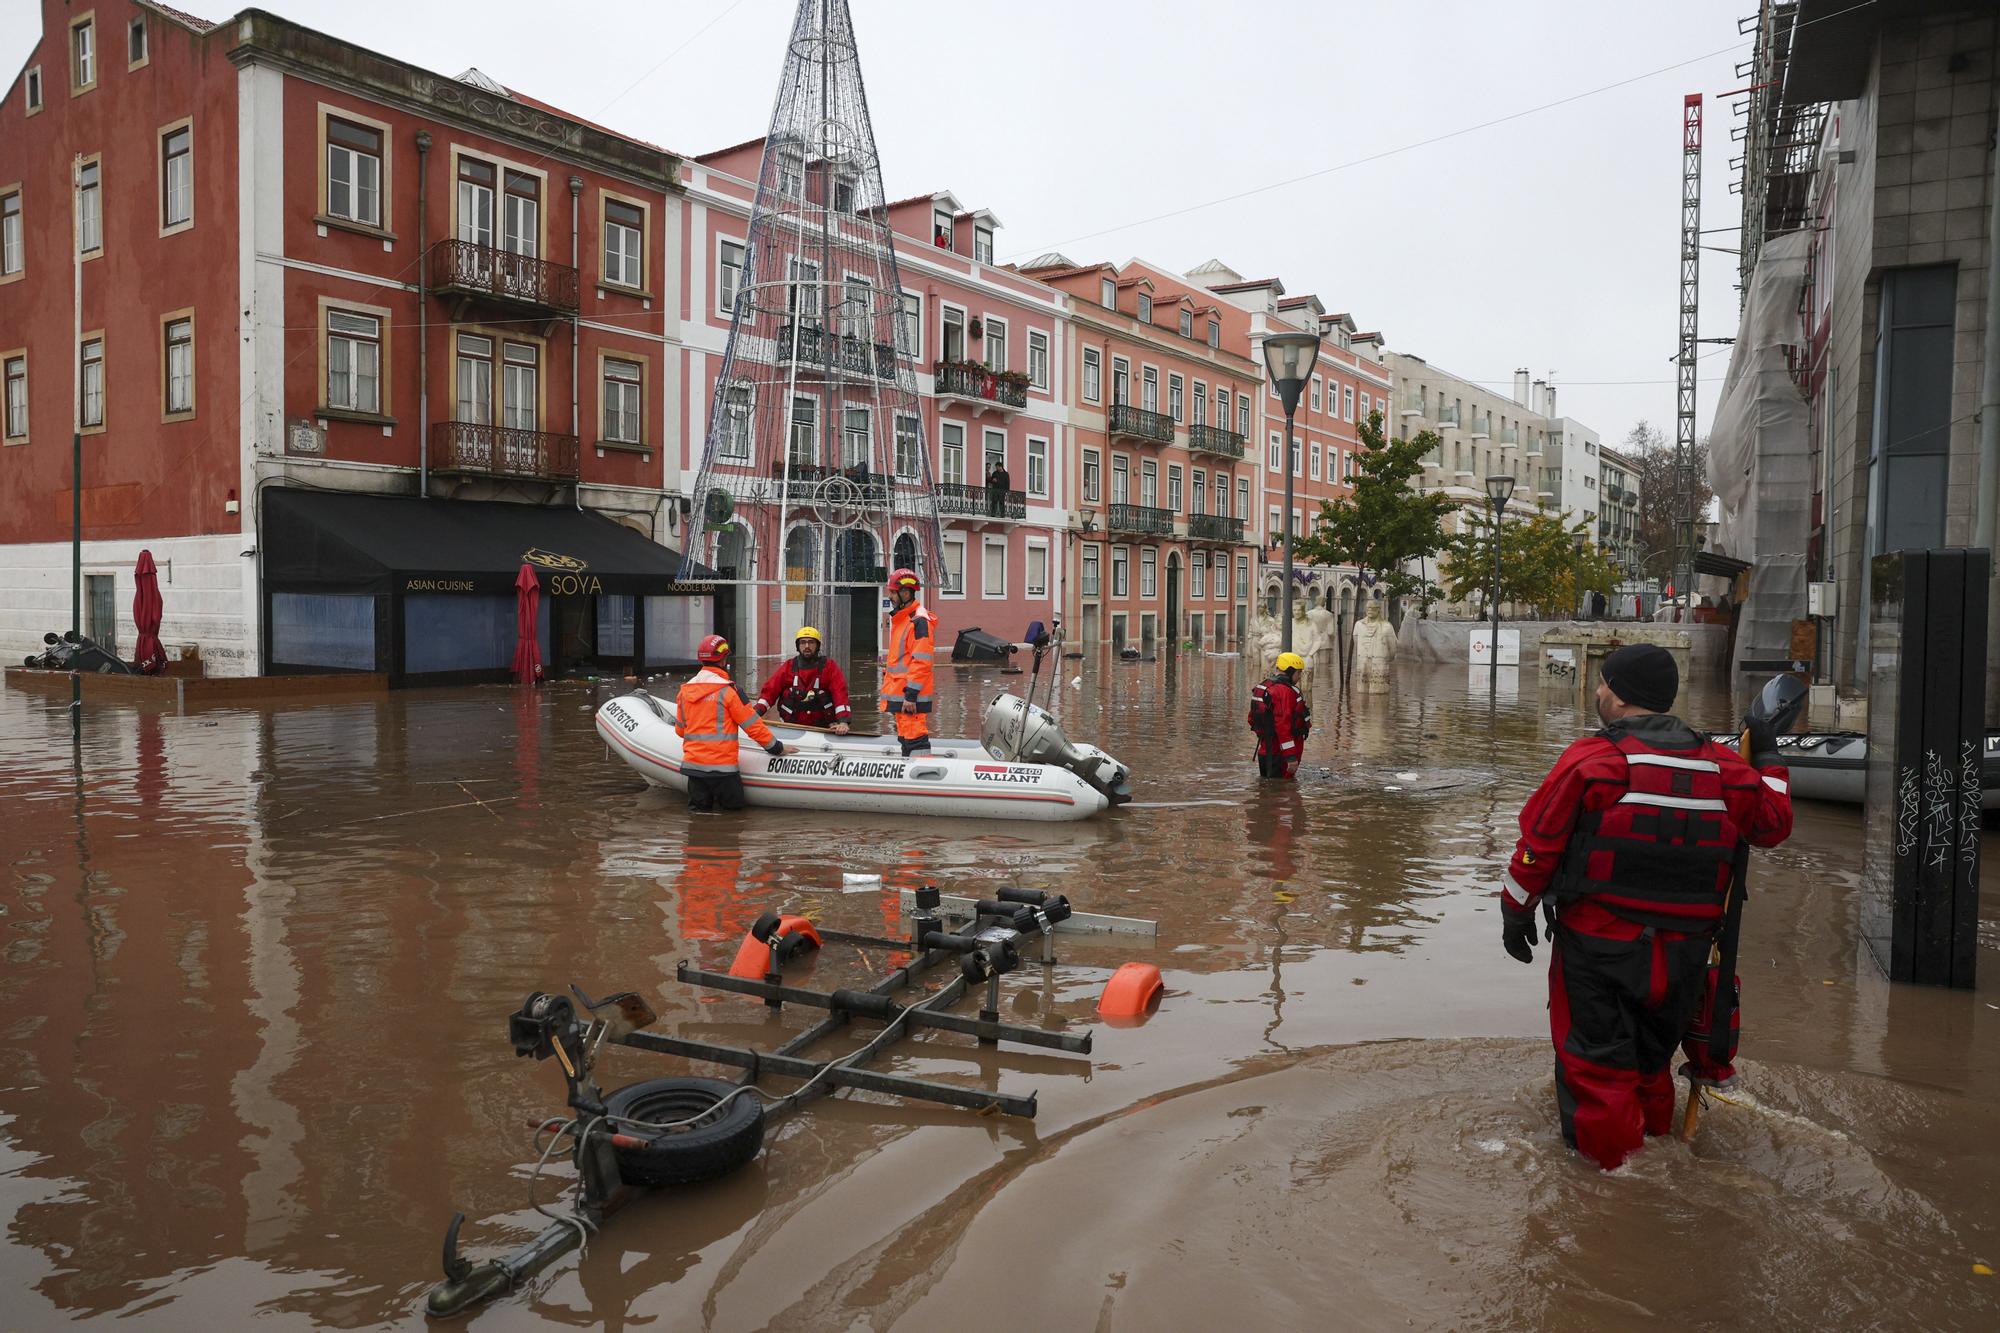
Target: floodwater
(258, 965)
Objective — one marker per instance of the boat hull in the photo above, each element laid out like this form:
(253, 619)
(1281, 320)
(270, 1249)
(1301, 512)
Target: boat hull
(1833, 766)
(861, 774)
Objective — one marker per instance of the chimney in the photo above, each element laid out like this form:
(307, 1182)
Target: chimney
(1550, 410)
(1521, 386)
(1540, 397)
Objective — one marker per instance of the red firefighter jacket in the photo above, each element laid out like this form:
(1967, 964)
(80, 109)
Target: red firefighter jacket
(812, 694)
(1280, 718)
(1637, 826)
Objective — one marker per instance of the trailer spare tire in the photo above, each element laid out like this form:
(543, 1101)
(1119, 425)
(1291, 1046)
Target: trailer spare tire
(714, 1144)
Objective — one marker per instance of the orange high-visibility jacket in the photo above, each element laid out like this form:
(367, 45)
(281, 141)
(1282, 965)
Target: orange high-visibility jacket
(906, 674)
(709, 710)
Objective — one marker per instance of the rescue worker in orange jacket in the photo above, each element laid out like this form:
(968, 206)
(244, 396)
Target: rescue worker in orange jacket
(707, 713)
(808, 690)
(1632, 838)
(907, 675)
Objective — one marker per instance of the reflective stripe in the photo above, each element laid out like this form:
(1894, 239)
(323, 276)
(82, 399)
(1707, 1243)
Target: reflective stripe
(707, 768)
(1672, 761)
(1778, 785)
(1673, 802)
(925, 655)
(710, 736)
(1513, 887)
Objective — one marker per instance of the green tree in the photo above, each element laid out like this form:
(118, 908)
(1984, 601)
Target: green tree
(1543, 565)
(1386, 522)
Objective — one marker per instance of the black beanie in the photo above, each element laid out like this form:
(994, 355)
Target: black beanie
(1644, 676)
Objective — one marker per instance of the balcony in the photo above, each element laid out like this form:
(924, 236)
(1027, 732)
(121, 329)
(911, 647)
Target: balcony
(1140, 518)
(811, 344)
(470, 270)
(1215, 440)
(1482, 428)
(1631, 497)
(1616, 493)
(1447, 416)
(1138, 424)
(1510, 435)
(968, 381)
(1414, 405)
(957, 499)
(1215, 528)
(876, 486)
(467, 448)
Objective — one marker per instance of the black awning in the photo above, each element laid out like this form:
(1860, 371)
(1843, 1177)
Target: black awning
(393, 543)
(1721, 566)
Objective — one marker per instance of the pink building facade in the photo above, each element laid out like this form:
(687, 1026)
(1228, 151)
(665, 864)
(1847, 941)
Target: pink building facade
(986, 346)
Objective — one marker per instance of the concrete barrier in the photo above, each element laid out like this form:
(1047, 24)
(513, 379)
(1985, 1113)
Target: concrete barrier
(1450, 641)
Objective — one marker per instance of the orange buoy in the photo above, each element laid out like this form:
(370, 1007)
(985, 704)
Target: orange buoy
(1131, 995)
(753, 956)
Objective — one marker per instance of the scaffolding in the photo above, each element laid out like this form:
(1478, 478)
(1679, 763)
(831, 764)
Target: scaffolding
(1780, 137)
(815, 475)
(1690, 338)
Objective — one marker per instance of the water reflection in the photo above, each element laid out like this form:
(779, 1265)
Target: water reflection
(261, 961)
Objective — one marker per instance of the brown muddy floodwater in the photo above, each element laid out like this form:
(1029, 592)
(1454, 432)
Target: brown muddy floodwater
(258, 965)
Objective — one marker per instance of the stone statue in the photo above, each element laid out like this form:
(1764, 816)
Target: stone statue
(1374, 650)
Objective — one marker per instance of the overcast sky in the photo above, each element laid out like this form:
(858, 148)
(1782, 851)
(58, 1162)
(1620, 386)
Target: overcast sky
(1547, 241)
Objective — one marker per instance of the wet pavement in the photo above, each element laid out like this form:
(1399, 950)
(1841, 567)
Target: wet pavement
(257, 965)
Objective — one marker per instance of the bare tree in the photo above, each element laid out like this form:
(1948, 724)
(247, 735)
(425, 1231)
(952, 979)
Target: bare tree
(1661, 490)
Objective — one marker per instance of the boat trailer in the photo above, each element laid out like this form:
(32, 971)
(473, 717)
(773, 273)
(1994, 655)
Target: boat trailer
(672, 1131)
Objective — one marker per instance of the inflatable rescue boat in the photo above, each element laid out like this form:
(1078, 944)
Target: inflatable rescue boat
(1022, 767)
(1833, 766)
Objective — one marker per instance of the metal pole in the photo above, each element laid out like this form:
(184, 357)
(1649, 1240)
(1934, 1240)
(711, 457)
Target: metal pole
(423, 318)
(76, 445)
(1285, 625)
(1493, 644)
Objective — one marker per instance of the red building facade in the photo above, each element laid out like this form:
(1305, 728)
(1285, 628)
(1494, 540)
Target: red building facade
(320, 269)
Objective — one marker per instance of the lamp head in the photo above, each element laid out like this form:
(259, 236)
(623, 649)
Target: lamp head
(1290, 358)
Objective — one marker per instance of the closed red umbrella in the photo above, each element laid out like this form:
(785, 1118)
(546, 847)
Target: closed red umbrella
(148, 655)
(527, 647)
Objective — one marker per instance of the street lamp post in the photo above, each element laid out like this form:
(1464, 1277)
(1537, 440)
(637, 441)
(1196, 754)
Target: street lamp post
(1290, 358)
(1499, 489)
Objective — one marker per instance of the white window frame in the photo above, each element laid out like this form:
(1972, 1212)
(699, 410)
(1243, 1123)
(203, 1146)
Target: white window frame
(909, 446)
(1315, 393)
(1314, 456)
(987, 453)
(1243, 415)
(1198, 575)
(995, 331)
(1175, 493)
(1215, 333)
(1121, 479)
(727, 288)
(1093, 476)
(176, 179)
(736, 445)
(13, 404)
(1121, 571)
(1029, 586)
(90, 413)
(13, 234)
(1273, 461)
(1149, 388)
(1200, 407)
(1107, 294)
(89, 205)
(1038, 359)
(1090, 571)
(1176, 397)
(1037, 474)
(629, 393)
(910, 324)
(1198, 491)
(353, 157)
(177, 366)
(83, 53)
(1242, 576)
(953, 588)
(1093, 375)
(1149, 573)
(1145, 308)
(982, 244)
(942, 221)
(945, 312)
(1347, 402)
(358, 376)
(1187, 323)
(989, 566)
(945, 450)
(1243, 498)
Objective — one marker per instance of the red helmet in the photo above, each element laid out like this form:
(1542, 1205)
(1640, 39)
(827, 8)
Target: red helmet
(905, 578)
(712, 651)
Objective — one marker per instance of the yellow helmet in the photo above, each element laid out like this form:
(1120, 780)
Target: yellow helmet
(808, 632)
(1291, 662)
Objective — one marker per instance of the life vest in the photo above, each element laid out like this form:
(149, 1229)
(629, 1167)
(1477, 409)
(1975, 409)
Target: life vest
(1277, 707)
(806, 697)
(1659, 854)
(708, 712)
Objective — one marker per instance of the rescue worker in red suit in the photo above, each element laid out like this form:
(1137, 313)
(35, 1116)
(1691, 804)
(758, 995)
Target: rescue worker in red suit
(708, 712)
(1279, 716)
(808, 690)
(907, 672)
(1630, 842)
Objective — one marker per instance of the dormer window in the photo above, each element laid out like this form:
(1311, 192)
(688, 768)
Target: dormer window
(1145, 308)
(1187, 323)
(941, 229)
(982, 244)
(1215, 333)
(1107, 295)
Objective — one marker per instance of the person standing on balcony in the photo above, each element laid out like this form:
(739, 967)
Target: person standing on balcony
(997, 484)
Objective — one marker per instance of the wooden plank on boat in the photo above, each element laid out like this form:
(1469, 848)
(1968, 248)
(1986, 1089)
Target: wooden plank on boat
(1079, 923)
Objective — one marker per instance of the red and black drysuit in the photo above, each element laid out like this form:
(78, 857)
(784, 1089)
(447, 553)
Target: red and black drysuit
(1279, 716)
(806, 693)
(1633, 836)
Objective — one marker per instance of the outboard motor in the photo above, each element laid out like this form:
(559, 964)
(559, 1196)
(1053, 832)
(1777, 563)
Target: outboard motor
(1017, 732)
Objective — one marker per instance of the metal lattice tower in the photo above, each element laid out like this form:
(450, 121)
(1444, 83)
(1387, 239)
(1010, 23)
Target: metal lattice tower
(1690, 333)
(815, 458)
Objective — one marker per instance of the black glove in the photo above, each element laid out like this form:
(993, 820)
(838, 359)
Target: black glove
(1763, 743)
(1519, 935)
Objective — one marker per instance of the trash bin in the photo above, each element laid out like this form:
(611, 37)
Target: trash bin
(976, 645)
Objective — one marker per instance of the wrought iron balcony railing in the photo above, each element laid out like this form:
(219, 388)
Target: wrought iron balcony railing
(523, 280)
(1217, 440)
(957, 499)
(807, 476)
(1138, 423)
(473, 449)
(1215, 528)
(813, 344)
(1140, 518)
(965, 379)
